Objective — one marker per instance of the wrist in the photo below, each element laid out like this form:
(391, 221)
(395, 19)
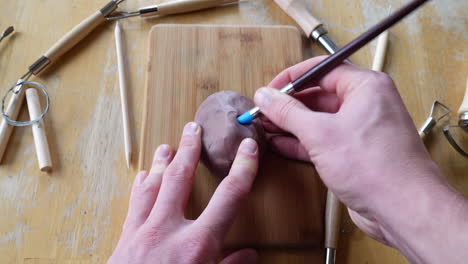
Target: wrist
(425, 218)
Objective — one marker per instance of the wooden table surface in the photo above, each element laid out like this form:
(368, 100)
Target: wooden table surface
(74, 214)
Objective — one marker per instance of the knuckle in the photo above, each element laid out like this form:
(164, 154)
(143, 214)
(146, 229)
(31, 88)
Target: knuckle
(188, 141)
(151, 236)
(179, 172)
(146, 189)
(381, 79)
(235, 187)
(285, 110)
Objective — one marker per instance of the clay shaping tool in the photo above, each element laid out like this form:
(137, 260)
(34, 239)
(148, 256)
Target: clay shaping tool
(171, 8)
(52, 55)
(73, 37)
(123, 93)
(320, 70)
(7, 32)
(438, 111)
(38, 129)
(311, 26)
(462, 124)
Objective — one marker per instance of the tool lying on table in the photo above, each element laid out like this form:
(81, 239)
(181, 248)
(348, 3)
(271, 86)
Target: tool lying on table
(336, 59)
(311, 26)
(7, 32)
(171, 8)
(68, 41)
(123, 92)
(438, 111)
(458, 139)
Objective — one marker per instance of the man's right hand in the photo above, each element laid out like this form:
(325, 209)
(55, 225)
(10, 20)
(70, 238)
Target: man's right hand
(357, 132)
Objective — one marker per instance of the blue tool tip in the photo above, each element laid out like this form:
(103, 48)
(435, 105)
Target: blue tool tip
(245, 119)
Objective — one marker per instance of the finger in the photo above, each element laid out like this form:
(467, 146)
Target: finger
(289, 147)
(336, 81)
(291, 115)
(270, 127)
(227, 199)
(178, 177)
(319, 100)
(146, 188)
(243, 256)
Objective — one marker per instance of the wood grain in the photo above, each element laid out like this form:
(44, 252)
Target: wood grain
(187, 64)
(76, 214)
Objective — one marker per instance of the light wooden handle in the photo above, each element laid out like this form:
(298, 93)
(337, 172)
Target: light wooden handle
(184, 6)
(332, 221)
(39, 133)
(74, 36)
(297, 11)
(380, 51)
(464, 106)
(12, 110)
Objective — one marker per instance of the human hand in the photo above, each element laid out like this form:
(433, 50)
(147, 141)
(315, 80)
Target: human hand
(356, 131)
(156, 231)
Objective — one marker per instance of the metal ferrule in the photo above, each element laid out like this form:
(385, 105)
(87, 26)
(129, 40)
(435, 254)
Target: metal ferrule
(254, 112)
(428, 125)
(330, 256)
(288, 89)
(148, 11)
(320, 35)
(39, 65)
(463, 120)
(109, 8)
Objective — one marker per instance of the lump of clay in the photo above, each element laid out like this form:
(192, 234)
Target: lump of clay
(222, 134)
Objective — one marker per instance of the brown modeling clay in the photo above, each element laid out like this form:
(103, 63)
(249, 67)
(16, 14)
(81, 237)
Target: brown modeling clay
(222, 134)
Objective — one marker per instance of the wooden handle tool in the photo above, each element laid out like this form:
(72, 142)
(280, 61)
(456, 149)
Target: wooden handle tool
(380, 52)
(311, 26)
(123, 93)
(12, 110)
(464, 105)
(172, 8)
(332, 227)
(38, 129)
(73, 37)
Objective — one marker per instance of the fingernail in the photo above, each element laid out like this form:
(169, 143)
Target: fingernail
(191, 128)
(163, 152)
(249, 146)
(263, 96)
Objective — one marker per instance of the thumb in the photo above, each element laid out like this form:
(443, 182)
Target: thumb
(288, 113)
(243, 256)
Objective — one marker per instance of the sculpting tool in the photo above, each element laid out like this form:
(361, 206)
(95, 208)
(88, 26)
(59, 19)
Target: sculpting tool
(12, 110)
(432, 119)
(336, 59)
(462, 125)
(123, 93)
(171, 8)
(74, 36)
(380, 52)
(38, 129)
(314, 29)
(311, 26)
(7, 32)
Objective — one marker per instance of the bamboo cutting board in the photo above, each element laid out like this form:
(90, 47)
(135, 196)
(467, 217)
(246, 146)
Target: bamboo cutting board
(186, 64)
